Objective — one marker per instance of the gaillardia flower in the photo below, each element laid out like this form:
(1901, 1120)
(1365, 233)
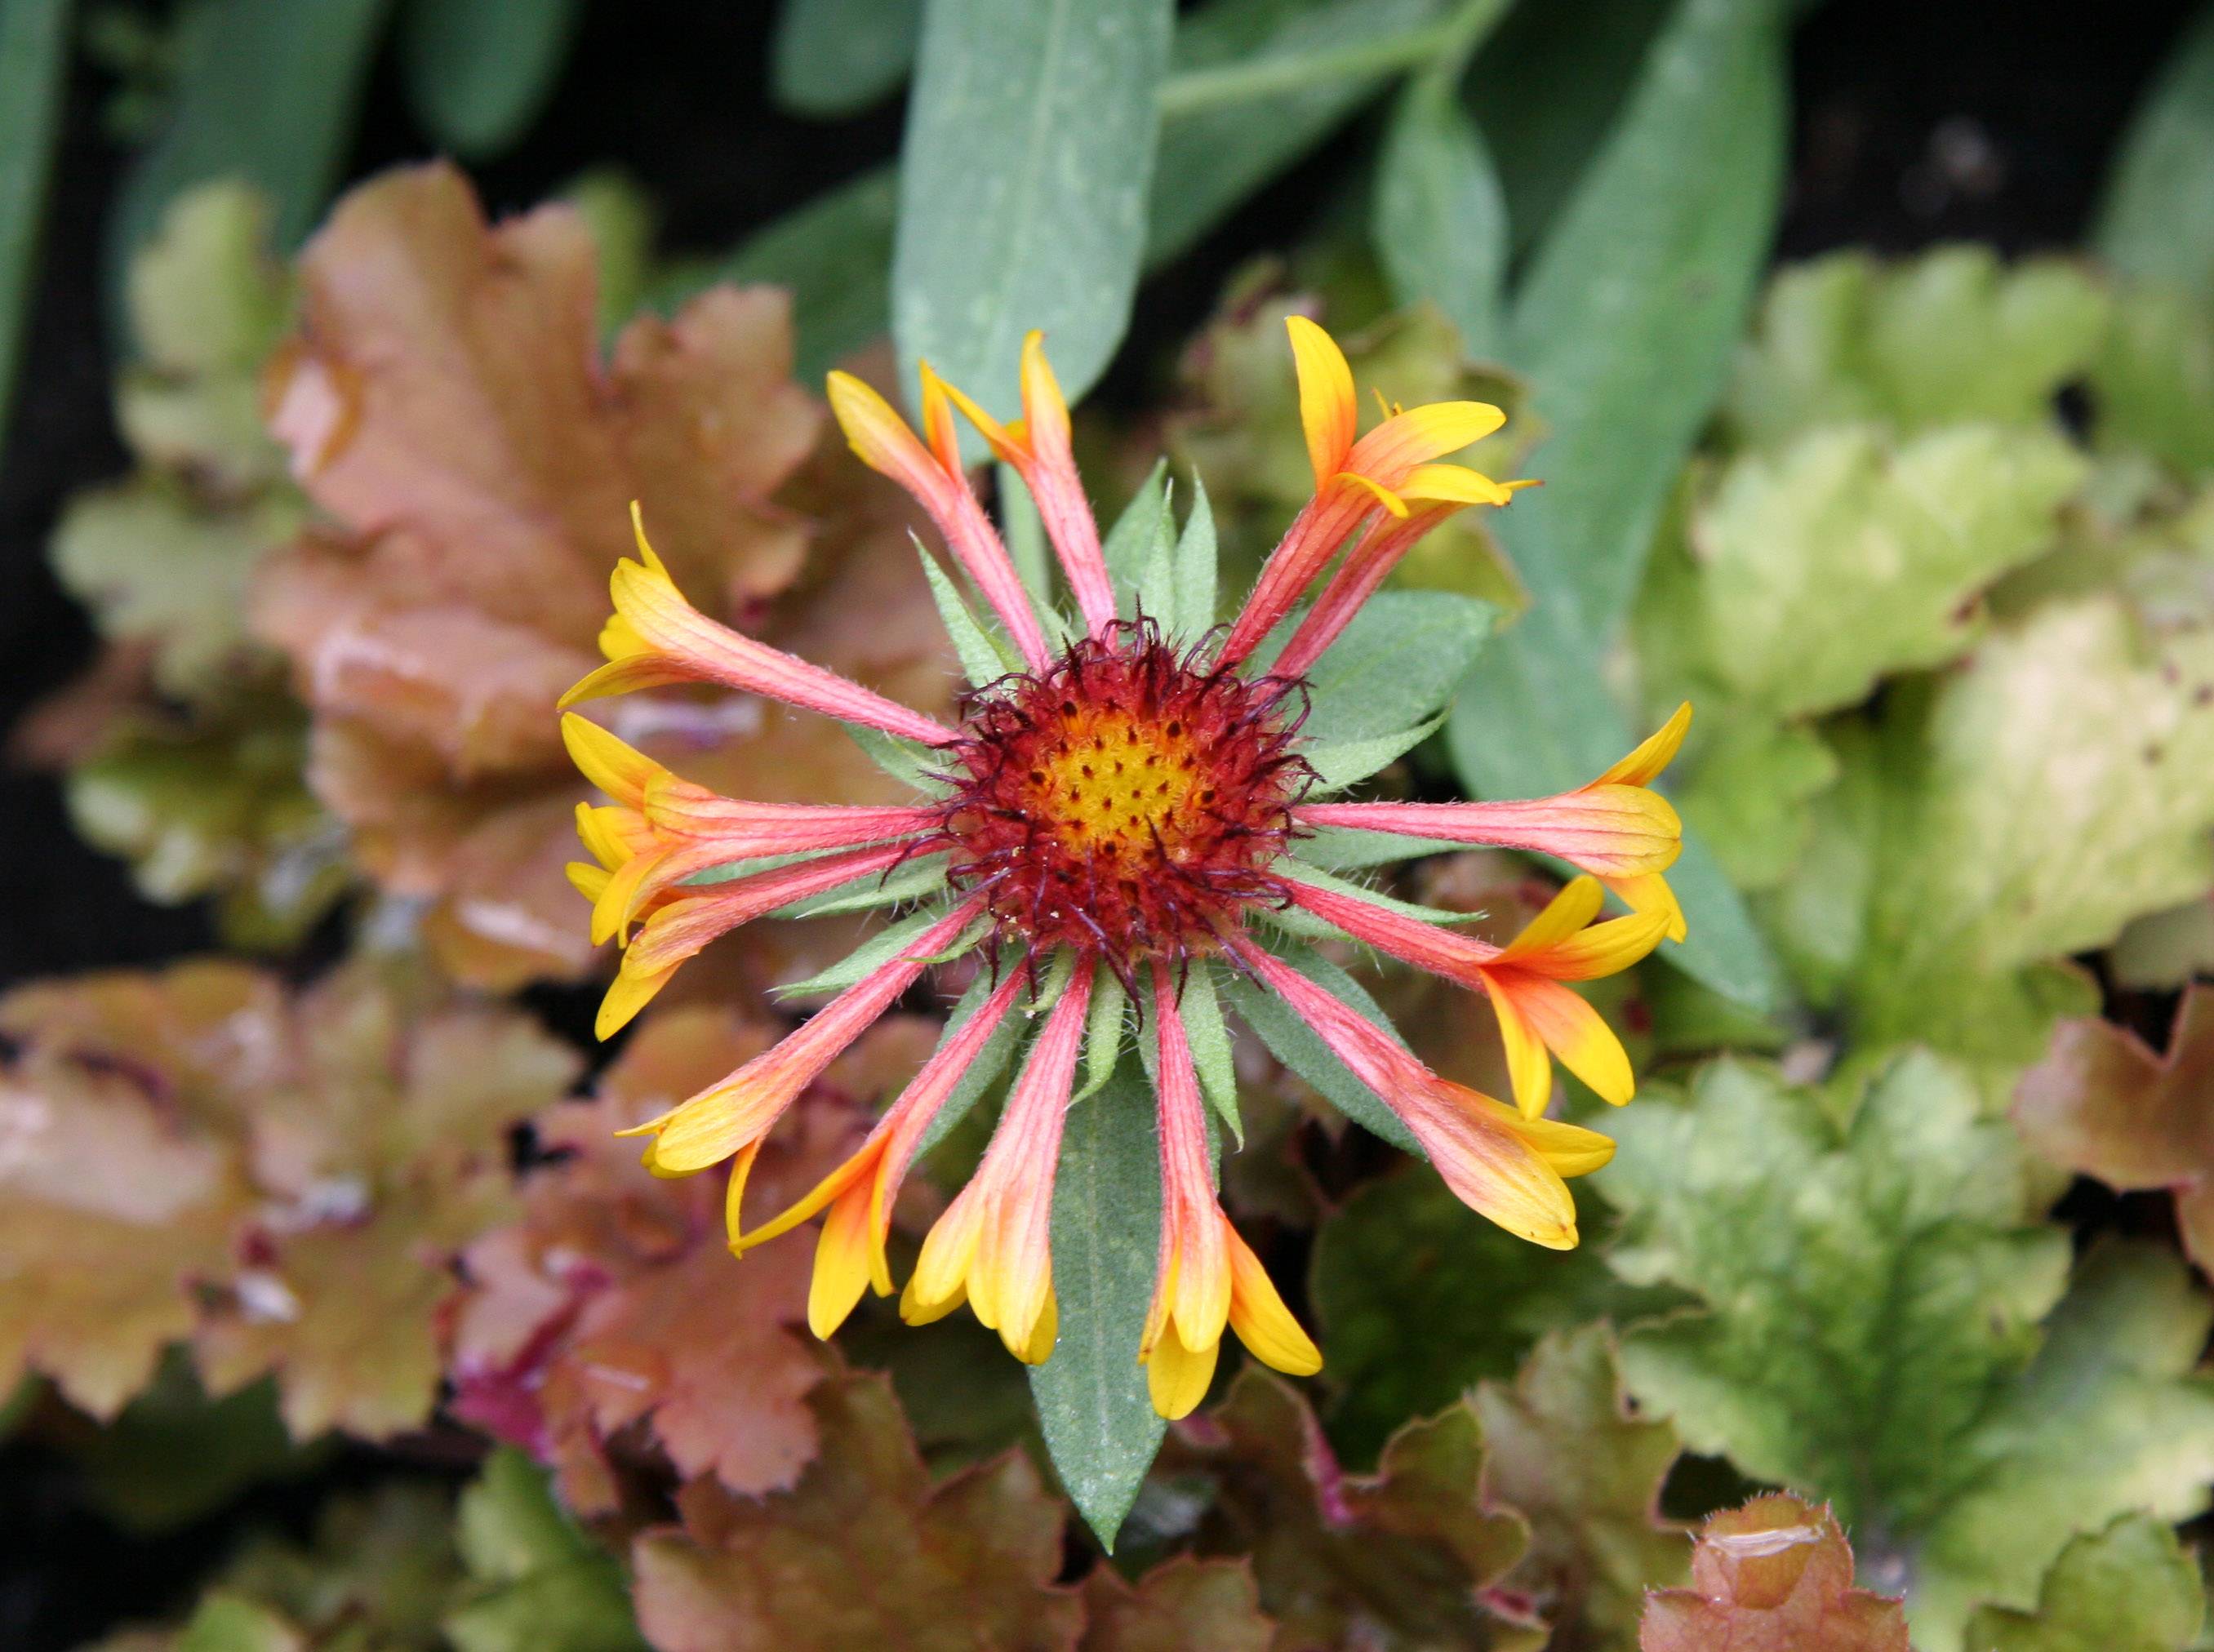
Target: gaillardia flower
(1131, 820)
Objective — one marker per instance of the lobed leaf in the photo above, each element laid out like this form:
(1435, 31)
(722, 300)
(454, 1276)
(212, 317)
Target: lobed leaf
(1394, 1269)
(1951, 337)
(1564, 1448)
(2130, 1588)
(1776, 1576)
(948, 1567)
(1399, 1560)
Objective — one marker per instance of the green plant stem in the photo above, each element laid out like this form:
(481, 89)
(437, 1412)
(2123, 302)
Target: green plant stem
(1453, 39)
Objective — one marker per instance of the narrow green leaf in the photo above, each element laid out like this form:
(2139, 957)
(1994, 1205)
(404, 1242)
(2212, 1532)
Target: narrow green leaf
(477, 72)
(1155, 596)
(1128, 545)
(1210, 1047)
(1544, 724)
(833, 255)
(1196, 564)
(1439, 222)
(1099, 1424)
(832, 58)
(1345, 849)
(1022, 183)
(267, 91)
(1299, 872)
(912, 881)
(1347, 762)
(2155, 222)
(1301, 1048)
(1545, 90)
(34, 40)
(984, 658)
(1103, 1035)
(1213, 157)
(877, 951)
(897, 756)
(1625, 326)
(991, 1061)
(1397, 662)
(1627, 320)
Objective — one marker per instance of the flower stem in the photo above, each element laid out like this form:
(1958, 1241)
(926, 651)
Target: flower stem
(1453, 38)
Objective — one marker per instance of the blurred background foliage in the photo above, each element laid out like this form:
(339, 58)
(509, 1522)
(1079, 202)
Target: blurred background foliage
(1867, 352)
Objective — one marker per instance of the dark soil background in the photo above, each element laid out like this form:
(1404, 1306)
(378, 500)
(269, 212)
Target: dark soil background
(1916, 121)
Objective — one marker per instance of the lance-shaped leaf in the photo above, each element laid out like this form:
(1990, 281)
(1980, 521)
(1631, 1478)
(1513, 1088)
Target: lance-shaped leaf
(863, 1551)
(2131, 1587)
(1439, 222)
(1776, 1576)
(1098, 1421)
(1023, 184)
(265, 91)
(1563, 1448)
(34, 54)
(2155, 222)
(477, 72)
(2102, 1103)
(1401, 1558)
(1624, 325)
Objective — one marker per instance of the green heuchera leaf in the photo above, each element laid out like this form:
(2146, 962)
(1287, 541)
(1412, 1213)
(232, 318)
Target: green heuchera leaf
(1395, 1273)
(538, 1584)
(1843, 559)
(174, 1455)
(208, 302)
(2026, 807)
(2128, 1589)
(157, 565)
(1400, 1560)
(2152, 386)
(1871, 1333)
(1951, 337)
(1748, 788)
(1099, 1423)
(1562, 1448)
(220, 810)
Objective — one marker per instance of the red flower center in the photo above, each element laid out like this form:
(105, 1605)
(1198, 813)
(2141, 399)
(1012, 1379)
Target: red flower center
(1128, 800)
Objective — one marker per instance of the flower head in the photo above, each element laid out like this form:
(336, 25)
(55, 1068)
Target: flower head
(1123, 818)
